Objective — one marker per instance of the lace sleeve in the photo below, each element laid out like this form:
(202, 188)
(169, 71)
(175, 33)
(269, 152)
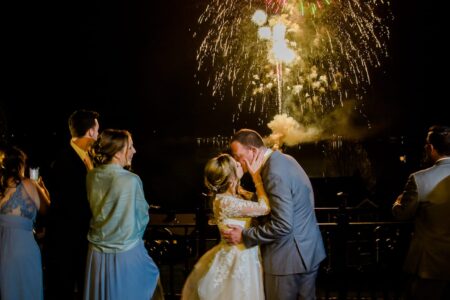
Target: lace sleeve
(230, 206)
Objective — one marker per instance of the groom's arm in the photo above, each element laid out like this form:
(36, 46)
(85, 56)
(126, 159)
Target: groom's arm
(280, 221)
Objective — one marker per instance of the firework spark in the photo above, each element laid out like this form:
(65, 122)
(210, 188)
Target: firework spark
(300, 57)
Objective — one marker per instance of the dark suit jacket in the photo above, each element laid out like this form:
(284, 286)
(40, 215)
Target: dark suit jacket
(426, 198)
(67, 225)
(67, 220)
(290, 239)
(69, 213)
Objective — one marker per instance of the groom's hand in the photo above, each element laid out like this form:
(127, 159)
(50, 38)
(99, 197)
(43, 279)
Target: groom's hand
(233, 235)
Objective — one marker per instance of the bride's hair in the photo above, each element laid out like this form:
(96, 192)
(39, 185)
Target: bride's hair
(220, 172)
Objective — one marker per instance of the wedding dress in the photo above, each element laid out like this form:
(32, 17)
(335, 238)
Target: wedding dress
(229, 272)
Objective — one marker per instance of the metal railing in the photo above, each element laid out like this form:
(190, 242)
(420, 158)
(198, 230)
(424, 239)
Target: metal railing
(356, 251)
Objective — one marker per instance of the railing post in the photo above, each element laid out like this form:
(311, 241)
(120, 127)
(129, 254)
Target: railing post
(341, 244)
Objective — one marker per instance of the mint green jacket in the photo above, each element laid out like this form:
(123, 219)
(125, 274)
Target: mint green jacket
(118, 206)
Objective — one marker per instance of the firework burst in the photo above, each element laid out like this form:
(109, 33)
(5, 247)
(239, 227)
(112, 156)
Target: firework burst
(299, 57)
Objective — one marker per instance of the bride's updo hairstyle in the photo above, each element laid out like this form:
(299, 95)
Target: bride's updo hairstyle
(219, 173)
(107, 145)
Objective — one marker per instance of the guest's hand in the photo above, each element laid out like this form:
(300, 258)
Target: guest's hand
(233, 235)
(40, 185)
(398, 201)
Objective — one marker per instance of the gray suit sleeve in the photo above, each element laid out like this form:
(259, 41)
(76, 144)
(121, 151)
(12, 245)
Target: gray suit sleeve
(281, 217)
(406, 205)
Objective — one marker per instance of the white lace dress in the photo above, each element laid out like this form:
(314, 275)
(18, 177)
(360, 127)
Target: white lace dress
(228, 272)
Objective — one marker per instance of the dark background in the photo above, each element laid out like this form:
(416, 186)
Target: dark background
(134, 62)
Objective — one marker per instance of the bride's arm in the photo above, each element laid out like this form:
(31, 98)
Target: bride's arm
(246, 195)
(254, 169)
(236, 207)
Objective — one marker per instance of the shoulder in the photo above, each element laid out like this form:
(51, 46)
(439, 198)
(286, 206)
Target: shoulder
(425, 172)
(30, 188)
(127, 178)
(278, 157)
(280, 162)
(224, 198)
(431, 174)
(66, 158)
(66, 151)
(28, 184)
(421, 173)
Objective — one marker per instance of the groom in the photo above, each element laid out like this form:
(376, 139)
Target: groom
(290, 240)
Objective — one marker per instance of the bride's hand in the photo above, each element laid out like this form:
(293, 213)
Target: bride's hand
(254, 166)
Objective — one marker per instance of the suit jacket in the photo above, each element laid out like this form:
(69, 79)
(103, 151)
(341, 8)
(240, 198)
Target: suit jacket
(426, 198)
(69, 214)
(290, 239)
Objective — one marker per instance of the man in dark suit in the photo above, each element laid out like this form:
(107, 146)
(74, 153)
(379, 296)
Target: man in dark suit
(290, 239)
(426, 200)
(69, 214)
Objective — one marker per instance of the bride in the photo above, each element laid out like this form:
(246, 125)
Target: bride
(230, 271)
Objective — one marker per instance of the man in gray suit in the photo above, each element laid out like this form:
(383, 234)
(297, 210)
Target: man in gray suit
(426, 199)
(290, 240)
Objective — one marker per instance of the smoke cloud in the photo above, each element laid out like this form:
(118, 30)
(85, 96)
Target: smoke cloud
(344, 123)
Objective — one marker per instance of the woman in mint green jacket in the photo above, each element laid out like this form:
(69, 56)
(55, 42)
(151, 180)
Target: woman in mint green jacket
(118, 265)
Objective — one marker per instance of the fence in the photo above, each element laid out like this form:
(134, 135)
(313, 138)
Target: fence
(364, 258)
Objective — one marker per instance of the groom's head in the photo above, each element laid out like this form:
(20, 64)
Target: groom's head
(245, 145)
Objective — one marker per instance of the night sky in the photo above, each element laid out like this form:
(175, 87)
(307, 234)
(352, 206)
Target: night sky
(135, 63)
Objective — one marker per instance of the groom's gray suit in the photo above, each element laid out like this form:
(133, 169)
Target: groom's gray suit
(290, 239)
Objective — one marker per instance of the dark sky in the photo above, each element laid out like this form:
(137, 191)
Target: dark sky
(134, 62)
